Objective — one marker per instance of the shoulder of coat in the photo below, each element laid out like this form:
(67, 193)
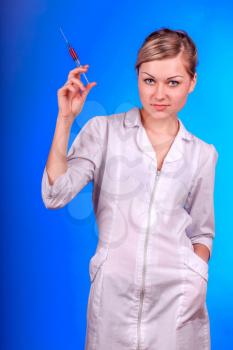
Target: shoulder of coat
(109, 118)
(207, 151)
(204, 145)
(101, 123)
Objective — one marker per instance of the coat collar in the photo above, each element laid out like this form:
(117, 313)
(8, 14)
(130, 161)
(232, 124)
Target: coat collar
(132, 118)
(176, 152)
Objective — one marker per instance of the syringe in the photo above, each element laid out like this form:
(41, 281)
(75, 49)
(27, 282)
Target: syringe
(73, 53)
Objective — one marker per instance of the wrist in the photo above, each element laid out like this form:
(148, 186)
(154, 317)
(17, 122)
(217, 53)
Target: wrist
(64, 121)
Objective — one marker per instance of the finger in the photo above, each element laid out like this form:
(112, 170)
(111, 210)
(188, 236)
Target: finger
(74, 84)
(67, 87)
(77, 71)
(77, 82)
(88, 88)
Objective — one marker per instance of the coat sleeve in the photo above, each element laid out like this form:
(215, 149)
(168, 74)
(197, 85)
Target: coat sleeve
(200, 203)
(83, 158)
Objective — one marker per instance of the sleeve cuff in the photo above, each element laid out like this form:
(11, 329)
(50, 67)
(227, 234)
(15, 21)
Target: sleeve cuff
(51, 191)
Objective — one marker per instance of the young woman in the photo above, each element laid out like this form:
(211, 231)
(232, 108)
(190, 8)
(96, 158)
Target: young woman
(153, 201)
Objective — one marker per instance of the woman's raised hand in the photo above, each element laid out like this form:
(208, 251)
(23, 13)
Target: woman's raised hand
(72, 95)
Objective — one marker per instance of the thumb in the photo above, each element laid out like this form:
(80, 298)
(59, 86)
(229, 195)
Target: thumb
(89, 86)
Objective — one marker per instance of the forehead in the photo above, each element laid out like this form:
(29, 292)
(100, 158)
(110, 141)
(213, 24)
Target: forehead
(165, 67)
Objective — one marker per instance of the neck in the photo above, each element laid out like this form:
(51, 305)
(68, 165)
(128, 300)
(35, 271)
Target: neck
(162, 126)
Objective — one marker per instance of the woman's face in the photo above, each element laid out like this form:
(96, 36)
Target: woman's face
(164, 82)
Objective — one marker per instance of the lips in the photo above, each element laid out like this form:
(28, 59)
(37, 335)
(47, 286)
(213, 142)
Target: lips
(159, 107)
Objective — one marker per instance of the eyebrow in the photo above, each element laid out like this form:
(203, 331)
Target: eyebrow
(167, 78)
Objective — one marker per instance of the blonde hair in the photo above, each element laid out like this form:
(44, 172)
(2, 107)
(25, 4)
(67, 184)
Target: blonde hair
(168, 43)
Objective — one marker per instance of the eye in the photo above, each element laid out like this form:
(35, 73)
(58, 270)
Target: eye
(147, 80)
(174, 81)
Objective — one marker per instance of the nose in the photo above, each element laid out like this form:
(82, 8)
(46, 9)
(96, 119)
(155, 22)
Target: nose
(159, 92)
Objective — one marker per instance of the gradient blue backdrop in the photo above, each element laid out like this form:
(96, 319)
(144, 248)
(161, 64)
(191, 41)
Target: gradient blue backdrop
(46, 253)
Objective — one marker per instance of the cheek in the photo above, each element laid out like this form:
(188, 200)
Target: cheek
(144, 92)
(179, 98)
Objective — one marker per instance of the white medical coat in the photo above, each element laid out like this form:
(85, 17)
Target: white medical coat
(148, 286)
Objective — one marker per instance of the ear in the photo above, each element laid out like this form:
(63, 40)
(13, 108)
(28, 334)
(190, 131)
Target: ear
(193, 83)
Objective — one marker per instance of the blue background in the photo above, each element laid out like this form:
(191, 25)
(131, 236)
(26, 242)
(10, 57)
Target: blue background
(46, 253)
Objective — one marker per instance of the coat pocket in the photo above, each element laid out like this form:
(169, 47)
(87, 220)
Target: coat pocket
(196, 263)
(97, 261)
(194, 286)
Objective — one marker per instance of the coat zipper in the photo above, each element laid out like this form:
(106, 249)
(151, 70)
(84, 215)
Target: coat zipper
(144, 263)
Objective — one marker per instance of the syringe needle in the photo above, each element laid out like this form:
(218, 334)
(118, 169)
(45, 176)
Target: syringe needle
(64, 36)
